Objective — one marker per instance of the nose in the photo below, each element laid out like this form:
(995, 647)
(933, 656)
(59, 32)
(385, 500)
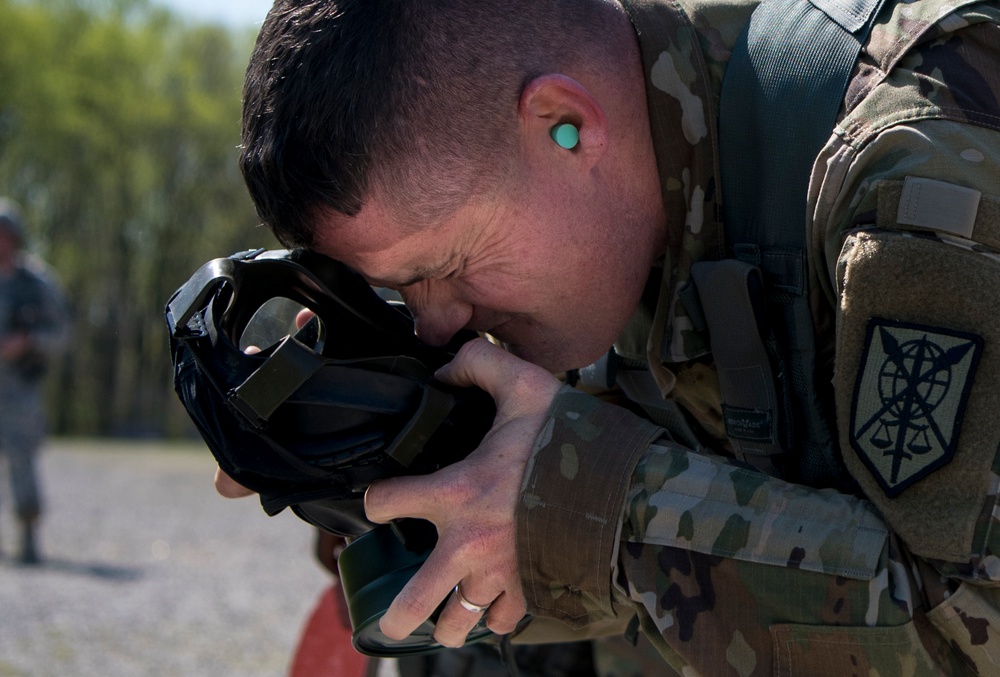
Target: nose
(437, 316)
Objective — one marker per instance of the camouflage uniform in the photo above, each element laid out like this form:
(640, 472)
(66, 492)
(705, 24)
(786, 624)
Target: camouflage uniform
(31, 303)
(734, 572)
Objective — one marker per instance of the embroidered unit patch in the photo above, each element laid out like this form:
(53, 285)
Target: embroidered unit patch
(910, 398)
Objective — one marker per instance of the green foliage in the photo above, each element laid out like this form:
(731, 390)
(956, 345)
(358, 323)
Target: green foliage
(119, 127)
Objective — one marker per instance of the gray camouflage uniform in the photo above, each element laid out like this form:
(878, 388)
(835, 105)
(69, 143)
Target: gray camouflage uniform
(732, 571)
(31, 303)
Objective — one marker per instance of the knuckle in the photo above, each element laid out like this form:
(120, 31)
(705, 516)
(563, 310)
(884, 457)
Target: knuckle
(501, 626)
(453, 627)
(452, 641)
(506, 614)
(474, 350)
(528, 381)
(476, 543)
(459, 490)
(412, 605)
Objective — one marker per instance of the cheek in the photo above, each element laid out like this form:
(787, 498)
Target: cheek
(421, 301)
(412, 297)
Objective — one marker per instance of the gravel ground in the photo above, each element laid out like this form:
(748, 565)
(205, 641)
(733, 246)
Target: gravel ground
(148, 572)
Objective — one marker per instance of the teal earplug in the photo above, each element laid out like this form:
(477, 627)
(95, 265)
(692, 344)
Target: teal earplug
(566, 135)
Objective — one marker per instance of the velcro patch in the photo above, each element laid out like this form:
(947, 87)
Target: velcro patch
(910, 399)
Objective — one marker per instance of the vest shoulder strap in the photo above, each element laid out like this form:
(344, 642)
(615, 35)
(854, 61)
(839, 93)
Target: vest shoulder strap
(781, 94)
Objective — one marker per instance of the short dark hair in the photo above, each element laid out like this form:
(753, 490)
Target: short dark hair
(416, 98)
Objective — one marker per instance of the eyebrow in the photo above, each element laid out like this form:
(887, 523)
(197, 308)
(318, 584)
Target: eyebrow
(420, 274)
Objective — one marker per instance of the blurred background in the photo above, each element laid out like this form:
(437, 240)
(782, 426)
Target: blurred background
(119, 127)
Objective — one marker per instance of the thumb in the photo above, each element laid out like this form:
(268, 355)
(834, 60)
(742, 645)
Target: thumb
(228, 487)
(477, 363)
(506, 377)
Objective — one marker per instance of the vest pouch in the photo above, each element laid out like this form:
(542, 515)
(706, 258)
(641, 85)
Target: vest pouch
(731, 294)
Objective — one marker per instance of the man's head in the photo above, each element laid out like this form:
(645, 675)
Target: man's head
(415, 98)
(410, 139)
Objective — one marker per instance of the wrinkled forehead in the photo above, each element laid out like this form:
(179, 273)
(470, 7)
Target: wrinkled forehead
(373, 229)
(379, 246)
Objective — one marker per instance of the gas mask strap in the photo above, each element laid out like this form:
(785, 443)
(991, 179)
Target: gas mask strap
(289, 366)
(193, 296)
(435, 405)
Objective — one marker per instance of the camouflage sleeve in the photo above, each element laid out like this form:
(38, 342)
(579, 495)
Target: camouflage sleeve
(571, 501)
(910, 221)
(730, 571)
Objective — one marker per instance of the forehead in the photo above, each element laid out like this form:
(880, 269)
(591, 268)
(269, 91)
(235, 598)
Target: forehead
(385, 250)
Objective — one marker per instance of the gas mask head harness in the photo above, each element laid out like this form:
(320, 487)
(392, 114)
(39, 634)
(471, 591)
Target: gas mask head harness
(309, 420)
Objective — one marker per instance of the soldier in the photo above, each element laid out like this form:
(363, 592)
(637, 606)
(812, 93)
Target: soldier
(548, 173)
(32, 330)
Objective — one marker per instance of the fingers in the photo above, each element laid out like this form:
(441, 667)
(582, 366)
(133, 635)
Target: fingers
(513, 382)
(472, 504)
(399, 497)
(302, 317)
(421, 596)
(480, 363)
(456, 621)
(506, 612)
(496, 586)
(228, 487)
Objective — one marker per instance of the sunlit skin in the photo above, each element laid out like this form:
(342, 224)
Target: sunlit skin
(552, 263)
(539, 285)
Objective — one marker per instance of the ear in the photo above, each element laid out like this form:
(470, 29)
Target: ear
(552, 99)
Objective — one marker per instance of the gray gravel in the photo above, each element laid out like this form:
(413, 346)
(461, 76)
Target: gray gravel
(149, 572)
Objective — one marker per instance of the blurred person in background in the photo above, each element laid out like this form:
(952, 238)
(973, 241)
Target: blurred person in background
(33, 328)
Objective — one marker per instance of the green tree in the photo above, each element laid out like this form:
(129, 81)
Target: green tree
(119, 127)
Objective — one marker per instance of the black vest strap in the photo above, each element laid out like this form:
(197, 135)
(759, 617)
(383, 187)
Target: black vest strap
(782, 91)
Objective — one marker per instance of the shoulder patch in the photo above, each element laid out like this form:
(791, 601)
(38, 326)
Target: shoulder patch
(910, 398)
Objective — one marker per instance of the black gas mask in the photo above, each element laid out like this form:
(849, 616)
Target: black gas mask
(309, 417)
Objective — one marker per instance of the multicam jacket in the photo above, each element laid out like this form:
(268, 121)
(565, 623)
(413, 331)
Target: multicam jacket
(731, 571)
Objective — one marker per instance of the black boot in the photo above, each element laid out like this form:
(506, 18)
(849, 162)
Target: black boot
(29, 549)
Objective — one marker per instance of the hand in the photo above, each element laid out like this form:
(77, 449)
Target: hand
(471, 503)
(228, 487)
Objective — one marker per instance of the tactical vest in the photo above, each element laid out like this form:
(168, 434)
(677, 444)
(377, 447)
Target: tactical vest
(27, 311)
(782, 91)
(781, 94)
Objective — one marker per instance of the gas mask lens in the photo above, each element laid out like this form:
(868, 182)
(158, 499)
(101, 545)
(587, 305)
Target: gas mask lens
(277, 319)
